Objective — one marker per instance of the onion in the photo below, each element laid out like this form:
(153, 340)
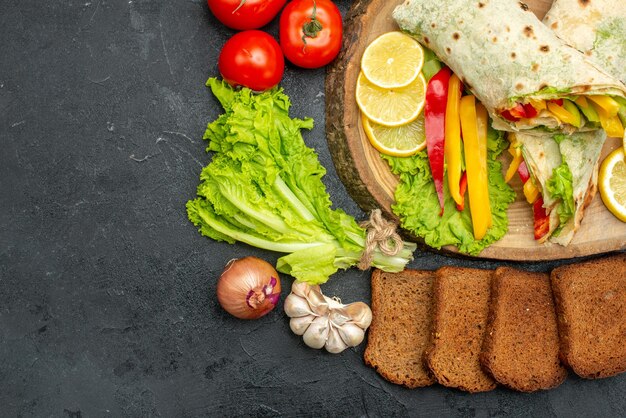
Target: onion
(248, 288)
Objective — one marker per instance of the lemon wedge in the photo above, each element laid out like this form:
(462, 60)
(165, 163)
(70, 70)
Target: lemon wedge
(391, 107)
(392, 60)
(612, 181)
(399, 141)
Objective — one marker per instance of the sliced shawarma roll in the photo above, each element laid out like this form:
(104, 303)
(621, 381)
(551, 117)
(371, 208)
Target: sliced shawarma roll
(597, 28)
(565, 170)
(527, 77)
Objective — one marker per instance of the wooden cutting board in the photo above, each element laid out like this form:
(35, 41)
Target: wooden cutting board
(371, 184)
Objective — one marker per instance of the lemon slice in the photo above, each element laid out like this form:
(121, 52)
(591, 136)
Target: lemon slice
(390, 107)
(399, 141)
(392, 60)
(612, 182)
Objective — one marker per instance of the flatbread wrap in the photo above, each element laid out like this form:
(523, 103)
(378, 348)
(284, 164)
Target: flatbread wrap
(565, 170)
(526, 76)
(595, 27)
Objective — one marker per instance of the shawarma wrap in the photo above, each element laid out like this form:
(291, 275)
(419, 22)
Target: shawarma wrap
(565, 169)
(527, 77)
(595, 27)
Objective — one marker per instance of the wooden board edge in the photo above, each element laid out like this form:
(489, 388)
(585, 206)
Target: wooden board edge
(343, 155)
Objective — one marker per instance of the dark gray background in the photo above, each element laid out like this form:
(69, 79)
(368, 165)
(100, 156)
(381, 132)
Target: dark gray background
(107, 292)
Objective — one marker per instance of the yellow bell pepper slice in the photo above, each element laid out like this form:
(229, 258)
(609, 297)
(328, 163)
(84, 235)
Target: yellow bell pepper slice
(610, 123)
(474, 140)
(573, 109)
(563, 115)
(452, 145)
(538, 104)
(516, 153)
(482, 123)
(581, 101)
(530, 191)
(609, 105)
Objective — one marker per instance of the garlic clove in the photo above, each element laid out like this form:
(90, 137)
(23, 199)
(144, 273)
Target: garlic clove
(360, 314)
(299, 325)
(296, 306)
(317, 333)
(302, 289)
(334, 343)
(351, 334)
(338, 317)
(317, 302)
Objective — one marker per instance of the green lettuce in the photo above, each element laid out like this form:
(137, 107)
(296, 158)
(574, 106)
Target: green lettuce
(622, 109)
(431, 64)
(418, 208)
(264, 187)
(560, 186)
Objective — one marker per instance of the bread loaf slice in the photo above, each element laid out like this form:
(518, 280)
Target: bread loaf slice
(401, 326)
(521, 348)
(590, 302)
(461, 308)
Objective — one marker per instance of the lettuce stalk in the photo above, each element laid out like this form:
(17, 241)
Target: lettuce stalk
(263, 187)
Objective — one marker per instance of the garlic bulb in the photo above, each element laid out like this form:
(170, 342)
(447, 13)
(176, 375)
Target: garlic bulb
(326, 322)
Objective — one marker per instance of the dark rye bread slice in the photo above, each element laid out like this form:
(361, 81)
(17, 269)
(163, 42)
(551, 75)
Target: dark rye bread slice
(401, 326)
(590, 302)
(461, 308)
(521, 348)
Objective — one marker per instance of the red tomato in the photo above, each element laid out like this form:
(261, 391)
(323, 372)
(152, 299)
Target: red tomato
(245, 14)
(253, 59)
(310, 32)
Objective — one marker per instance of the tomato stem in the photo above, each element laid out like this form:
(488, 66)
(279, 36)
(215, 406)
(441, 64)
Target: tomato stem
(312, 28)
(239, 6)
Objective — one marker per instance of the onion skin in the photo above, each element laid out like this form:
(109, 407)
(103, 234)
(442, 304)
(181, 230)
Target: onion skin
(248, 288)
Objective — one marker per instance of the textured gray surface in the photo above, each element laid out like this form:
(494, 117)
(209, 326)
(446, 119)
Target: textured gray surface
(107, 292)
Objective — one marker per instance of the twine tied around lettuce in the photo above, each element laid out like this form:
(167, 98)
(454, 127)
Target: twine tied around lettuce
(381, 234)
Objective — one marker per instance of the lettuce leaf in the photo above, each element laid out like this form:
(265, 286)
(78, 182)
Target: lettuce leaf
(418, 208)
(560, 186)
(264, 187)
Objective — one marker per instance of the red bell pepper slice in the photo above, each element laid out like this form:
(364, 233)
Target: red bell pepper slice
(522, 170)
(531, 112)
(462, 190)
(507, 115)
(557, 101)
(518, 111)
(434, 123)
(541, 219)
